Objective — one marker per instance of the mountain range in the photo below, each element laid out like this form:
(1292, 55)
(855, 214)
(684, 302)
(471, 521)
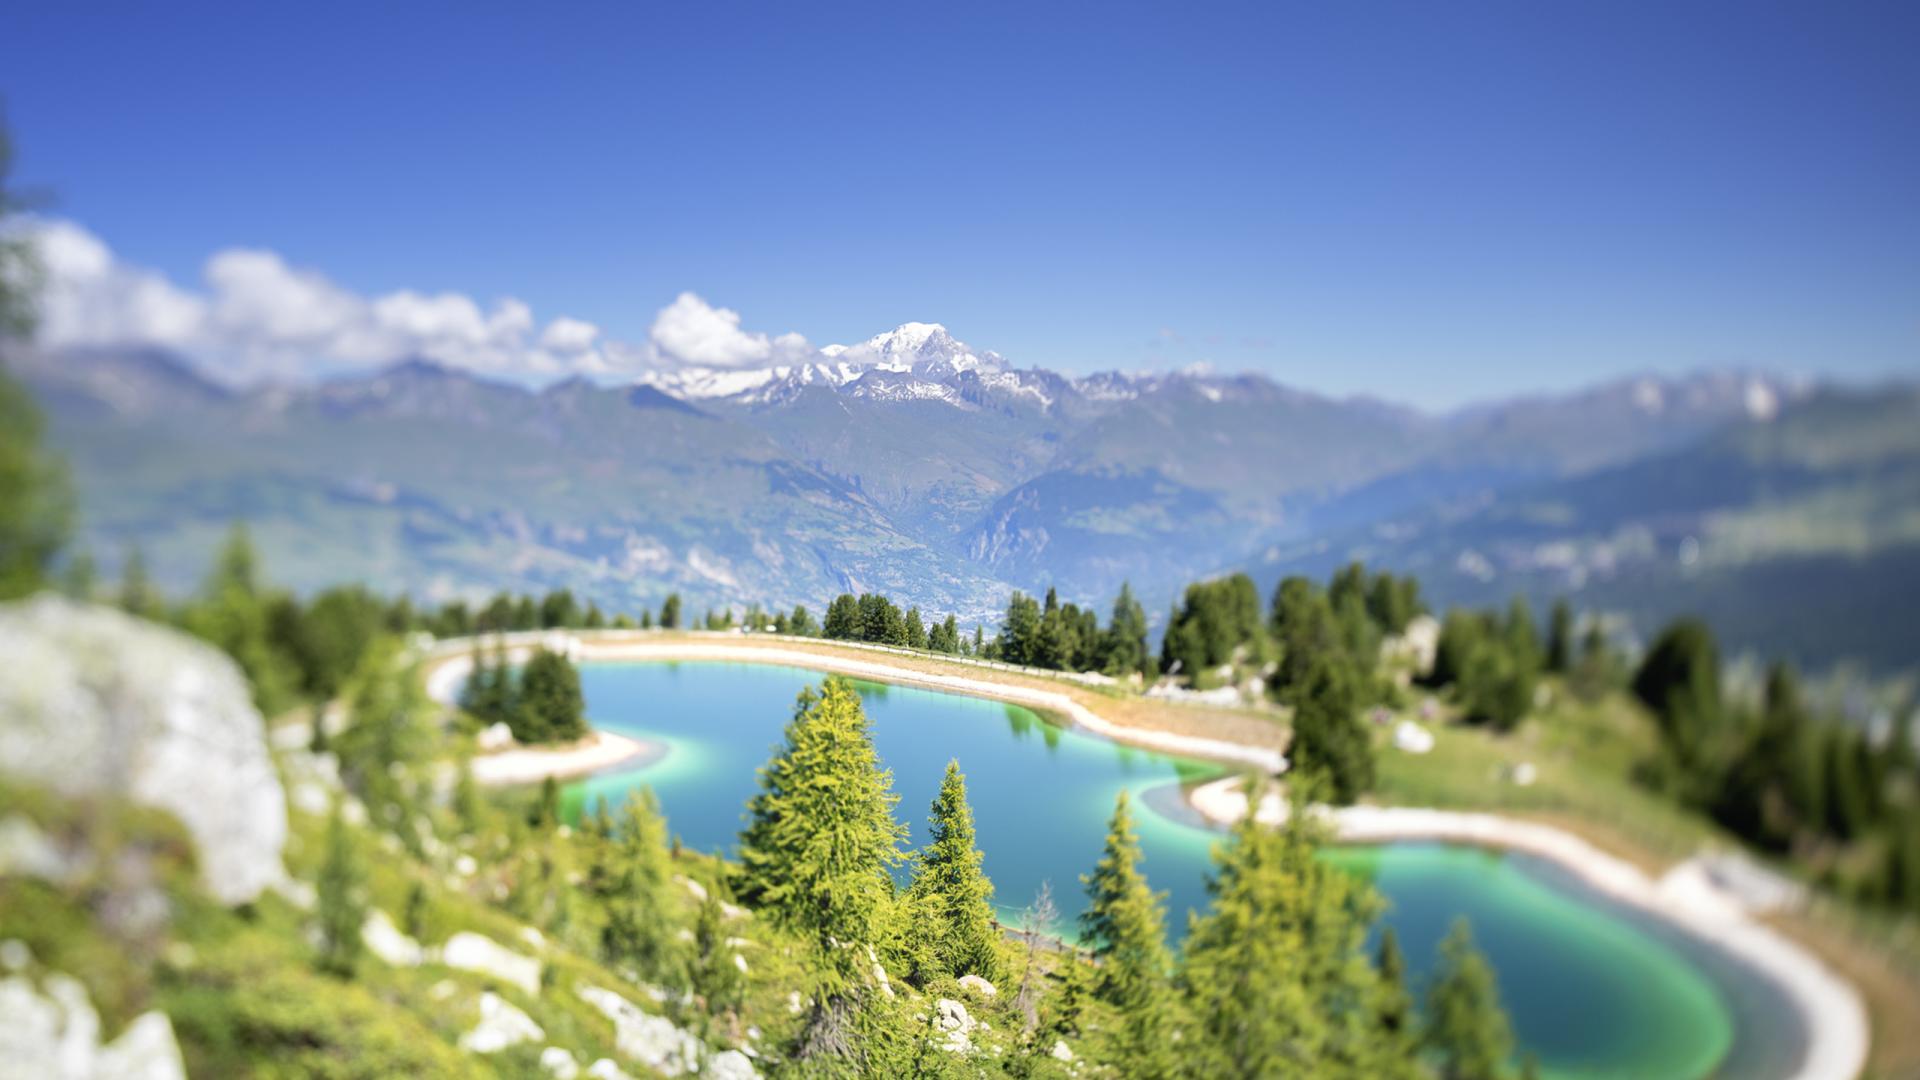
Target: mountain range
(913, 464)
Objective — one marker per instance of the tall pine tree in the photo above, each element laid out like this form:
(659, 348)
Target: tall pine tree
(817, 850)
(1125, 924)
(950, 878)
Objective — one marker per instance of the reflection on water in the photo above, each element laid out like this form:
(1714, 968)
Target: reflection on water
(1591, 993)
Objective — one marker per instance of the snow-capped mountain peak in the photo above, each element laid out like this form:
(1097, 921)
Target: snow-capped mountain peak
(923, 350)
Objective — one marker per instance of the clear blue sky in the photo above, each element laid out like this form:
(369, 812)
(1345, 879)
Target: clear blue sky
(1430, 201)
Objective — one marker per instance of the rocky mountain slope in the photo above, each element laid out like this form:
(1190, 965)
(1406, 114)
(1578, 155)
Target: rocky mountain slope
(910, 463)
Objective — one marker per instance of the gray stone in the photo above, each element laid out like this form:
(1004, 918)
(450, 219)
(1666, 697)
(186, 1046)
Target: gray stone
(469, 951)
(52, 1032)
(501, 1025)
(94, 701)
(732, 1065)
(653, 1041)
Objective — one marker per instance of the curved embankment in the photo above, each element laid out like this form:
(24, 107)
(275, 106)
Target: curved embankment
(1836, 1020)
(447, 674)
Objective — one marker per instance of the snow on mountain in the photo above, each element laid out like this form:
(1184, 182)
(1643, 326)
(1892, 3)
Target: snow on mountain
(924, 350)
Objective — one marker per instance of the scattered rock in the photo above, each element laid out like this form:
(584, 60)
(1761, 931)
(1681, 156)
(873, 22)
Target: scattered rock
(386, 941)
(880, 973)
(53, 1032)
(1412, 738)
(1524, 774)
(605, 1069)
(310, 798)
(27, 851)
(653, 1041)
(94, 701)
(495, 737)
(1061, 1051)
(501, 1025)
(954, 1020)
(740, 962)
(15, 955)
(469, 951)
(978, 985)
(732, 1065)
(559, 1063)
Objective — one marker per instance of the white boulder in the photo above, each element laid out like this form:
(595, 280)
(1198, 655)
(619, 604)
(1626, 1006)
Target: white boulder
(53, 1033)
(496, 736)
(732, 1065)
(388, 942)
(468, 951)
(978, 985)
(1412, 738)
(502, 1024)
(558, 1063)
(95, 701)
(653, 1041)
(952, 1018)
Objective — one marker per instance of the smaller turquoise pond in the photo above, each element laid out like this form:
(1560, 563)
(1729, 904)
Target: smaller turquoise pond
(1594, 990)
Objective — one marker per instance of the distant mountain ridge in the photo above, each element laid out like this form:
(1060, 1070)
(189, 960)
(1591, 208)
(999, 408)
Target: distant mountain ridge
(910, 462)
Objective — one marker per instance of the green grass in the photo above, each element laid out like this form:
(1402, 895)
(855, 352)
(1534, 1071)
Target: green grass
(1583, 754)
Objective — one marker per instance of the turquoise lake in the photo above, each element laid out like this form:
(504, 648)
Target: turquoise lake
(1595, 989)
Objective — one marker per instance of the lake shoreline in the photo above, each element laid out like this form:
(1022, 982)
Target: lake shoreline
(1835, 1017)
(1832, 1010)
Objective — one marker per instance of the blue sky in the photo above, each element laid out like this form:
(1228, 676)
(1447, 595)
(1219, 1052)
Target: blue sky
(1432, 202)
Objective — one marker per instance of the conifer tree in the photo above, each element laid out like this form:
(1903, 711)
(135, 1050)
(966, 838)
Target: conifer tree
(843, 619)
(950, 877)
(1275, 972)
(817, 850)
(670, 612)
(712, 975)
(1560, 638)
(1396, 1005)
(341, 902)
(551, 706)
(1466, 1030)
(1125, 643)
(1125, 924)
(137, 595)
(639, 883)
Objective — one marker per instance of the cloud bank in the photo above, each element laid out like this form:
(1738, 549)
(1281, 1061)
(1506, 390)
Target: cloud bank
(257, 317)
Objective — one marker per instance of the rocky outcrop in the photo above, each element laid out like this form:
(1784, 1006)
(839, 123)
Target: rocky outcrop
(96, 702)
(956, 1024)
(51, 1032)
(653, 1041)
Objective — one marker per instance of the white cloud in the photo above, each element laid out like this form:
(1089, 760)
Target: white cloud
(90, 299)
(692, 331)
(568, 335)
(258, 316)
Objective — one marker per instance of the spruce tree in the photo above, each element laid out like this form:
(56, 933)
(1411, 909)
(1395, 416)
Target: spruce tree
(1560, 638)
(640, 926)
(670, 612)
(342, 905)
(1125, 924)
(950, 876)
(817, 850)
(551, 703)
(1276, 973)
(137, 595)
(1466, 1030)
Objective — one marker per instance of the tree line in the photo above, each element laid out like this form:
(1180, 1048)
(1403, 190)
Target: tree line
(1274, 979)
